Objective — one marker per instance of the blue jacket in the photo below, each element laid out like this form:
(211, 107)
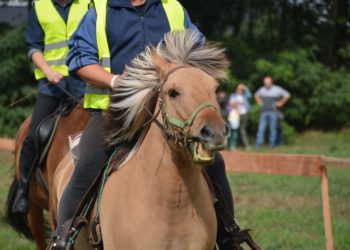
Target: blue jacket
(128, 32)
(35, 42)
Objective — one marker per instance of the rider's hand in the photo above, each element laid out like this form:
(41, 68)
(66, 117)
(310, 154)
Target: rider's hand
(115, 81)
(53, 76)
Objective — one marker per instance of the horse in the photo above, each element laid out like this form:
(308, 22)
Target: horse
(32, 225)
(166, 108)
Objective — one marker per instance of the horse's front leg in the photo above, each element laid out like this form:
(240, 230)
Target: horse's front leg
(36, 225)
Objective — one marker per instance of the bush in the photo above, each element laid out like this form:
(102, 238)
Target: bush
(319, 95)
(16, 79)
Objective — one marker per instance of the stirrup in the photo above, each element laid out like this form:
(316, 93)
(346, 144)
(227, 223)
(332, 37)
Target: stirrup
(69, 230)
(61, 239)
(57, 244)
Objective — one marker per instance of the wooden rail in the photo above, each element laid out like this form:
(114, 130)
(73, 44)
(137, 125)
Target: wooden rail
(336, 162)
(7, 144)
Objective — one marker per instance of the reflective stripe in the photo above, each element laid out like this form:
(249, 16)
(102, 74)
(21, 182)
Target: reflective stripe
(55, 62)
(105, 62)
(91, 89)
(57, 45)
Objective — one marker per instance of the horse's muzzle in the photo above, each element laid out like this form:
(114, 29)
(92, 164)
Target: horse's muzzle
(214, 139)
(209, 141)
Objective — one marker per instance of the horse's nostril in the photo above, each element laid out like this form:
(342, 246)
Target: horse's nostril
(206, 133)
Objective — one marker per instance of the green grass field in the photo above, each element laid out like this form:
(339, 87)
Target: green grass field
(284, 212)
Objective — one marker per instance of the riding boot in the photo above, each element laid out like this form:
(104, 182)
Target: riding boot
(21, 202)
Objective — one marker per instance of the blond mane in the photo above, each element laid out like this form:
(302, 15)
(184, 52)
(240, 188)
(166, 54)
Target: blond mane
(141, 80)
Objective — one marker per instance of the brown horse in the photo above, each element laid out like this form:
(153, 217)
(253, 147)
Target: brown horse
(158, 198)
(32, 225)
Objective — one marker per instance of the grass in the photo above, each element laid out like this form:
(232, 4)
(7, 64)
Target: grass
(315, 142)
(9, 239)
(285, 212)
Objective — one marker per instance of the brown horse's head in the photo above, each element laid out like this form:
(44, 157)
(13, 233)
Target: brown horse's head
(183, 74)
(190, 108)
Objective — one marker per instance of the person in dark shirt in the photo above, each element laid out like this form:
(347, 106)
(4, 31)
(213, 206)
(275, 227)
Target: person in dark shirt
(223, 99)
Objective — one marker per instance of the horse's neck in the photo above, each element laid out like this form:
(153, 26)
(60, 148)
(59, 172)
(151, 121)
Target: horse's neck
(169, 179)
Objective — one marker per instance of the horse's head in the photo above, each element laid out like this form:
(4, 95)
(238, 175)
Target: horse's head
(191, 113)
(183, 74)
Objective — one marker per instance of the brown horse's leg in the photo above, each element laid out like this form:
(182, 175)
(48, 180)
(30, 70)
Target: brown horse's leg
(36, 224)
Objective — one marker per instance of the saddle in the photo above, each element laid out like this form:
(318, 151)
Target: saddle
(43, 138)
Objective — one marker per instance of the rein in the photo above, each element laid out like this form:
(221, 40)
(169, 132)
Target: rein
(181, 128)
(35, 91)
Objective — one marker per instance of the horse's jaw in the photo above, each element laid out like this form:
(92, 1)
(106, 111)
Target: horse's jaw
(203, 153)
(194, 154)
(200, 154)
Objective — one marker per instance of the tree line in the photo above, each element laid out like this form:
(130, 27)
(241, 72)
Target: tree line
(303, 44)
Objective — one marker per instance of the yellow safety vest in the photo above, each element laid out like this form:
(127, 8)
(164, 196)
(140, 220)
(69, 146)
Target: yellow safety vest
(97, 97)
(57, 32)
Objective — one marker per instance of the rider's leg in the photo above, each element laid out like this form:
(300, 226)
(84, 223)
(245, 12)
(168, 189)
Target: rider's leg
(217, 174)
(92, 156)
(44, 106)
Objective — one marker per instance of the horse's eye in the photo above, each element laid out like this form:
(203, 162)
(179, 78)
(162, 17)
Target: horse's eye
(173, 93)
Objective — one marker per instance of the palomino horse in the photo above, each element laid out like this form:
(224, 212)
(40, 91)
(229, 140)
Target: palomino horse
(32, 225)
(158, 198)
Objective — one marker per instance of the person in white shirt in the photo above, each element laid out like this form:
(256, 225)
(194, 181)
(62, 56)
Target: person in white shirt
(240, 102)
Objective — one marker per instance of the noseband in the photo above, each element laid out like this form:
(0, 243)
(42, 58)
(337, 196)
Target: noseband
(180, 128)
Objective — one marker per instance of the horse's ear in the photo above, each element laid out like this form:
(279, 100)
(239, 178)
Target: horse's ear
(161, 64)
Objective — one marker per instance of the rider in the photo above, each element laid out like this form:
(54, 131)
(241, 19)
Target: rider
(50, 24)
(109, 37)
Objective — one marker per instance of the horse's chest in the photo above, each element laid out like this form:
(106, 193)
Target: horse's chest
(159, 233)
(151, 239)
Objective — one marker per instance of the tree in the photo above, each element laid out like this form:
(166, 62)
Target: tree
(16, 79)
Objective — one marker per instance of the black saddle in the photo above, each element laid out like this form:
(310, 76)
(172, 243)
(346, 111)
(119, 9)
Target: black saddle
(47, 128)
(44, 131)
(43, 138)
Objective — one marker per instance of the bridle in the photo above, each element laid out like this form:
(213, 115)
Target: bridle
(180, 129)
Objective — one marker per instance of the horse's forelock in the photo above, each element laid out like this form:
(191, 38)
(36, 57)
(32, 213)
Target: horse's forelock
(185, 48)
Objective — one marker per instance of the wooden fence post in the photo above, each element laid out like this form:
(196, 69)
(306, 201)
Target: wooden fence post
(326, 208)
